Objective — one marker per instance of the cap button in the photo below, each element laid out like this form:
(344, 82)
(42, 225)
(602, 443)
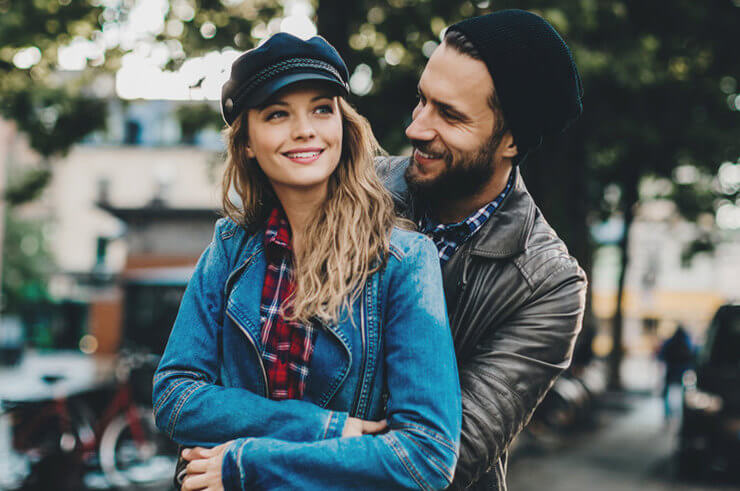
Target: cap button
(229, 104)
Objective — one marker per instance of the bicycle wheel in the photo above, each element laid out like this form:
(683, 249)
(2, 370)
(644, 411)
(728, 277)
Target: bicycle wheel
(142, 457)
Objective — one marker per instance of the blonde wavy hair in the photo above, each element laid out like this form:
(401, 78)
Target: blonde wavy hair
(348, 238)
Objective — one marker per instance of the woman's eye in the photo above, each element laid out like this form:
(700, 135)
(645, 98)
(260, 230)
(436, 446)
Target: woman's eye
(275, 115)
(324, 109)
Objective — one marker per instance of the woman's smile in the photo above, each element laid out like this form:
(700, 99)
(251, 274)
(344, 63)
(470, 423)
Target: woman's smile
(304, 155)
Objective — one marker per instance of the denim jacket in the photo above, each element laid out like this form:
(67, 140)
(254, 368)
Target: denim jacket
(392, 358)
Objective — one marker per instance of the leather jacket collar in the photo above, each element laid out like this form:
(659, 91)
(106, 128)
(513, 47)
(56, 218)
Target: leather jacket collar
(506, 232)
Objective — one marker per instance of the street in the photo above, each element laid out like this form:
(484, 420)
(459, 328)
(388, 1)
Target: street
(631, 448)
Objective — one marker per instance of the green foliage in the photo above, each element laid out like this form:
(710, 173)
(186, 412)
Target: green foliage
(46, 106)
(45, 24)
(205, 25)
(26, 264)
(27, 187)
(53, 118)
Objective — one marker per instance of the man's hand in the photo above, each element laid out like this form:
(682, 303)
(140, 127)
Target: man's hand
(359, 427)
(203, 471)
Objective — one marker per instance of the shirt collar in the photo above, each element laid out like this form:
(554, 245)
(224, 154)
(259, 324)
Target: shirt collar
(277, 230)
(464, 229)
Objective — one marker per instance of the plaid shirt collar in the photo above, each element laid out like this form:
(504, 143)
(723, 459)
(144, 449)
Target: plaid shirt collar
(277, 232)
(288, 345)
(449, 236)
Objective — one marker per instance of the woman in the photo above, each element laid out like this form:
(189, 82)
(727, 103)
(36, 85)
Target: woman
(309, 312)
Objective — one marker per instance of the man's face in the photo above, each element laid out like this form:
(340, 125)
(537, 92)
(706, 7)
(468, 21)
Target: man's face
(452, 129)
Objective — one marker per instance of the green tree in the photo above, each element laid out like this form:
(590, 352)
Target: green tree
(657, 81)
(46, 106)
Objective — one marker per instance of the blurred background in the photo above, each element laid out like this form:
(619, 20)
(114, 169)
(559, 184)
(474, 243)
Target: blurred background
(110, 162)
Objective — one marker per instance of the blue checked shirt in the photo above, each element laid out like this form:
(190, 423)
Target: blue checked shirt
(449, 236)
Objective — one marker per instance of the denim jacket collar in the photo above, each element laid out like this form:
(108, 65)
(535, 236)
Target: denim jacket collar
(243, 291)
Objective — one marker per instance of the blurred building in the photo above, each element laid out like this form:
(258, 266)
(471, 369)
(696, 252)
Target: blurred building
(142, 195)
(664, 285)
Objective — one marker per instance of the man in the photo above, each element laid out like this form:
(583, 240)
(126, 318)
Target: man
(491, 91)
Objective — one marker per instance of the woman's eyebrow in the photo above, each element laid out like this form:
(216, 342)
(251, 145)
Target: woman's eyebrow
(271, 103)
(322, 96)
(280, 102)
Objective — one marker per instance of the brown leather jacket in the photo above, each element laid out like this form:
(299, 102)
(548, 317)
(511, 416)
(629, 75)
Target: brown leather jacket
(515, 299)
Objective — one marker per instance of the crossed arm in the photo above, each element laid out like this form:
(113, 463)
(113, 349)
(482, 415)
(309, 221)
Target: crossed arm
(295, 444)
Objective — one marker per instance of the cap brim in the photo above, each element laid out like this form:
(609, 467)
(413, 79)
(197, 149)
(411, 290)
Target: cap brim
(262, 94)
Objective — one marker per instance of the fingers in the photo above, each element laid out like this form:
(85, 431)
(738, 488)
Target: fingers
(353, 427)
(195, 453)
(373, 427)
(198, 466)
(222, 448)
(194, 482)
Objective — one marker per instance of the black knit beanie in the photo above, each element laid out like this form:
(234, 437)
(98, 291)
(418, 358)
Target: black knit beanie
(533, 73)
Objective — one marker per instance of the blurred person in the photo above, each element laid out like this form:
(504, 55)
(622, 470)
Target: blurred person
(310, 309)
(496, 86)
(677, 353)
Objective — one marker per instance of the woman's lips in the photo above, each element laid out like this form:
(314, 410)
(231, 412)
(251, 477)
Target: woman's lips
(304, 156)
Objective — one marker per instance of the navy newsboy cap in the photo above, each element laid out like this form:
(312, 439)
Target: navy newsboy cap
(280, 61)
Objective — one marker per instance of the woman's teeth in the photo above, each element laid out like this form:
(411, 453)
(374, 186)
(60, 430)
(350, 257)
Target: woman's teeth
(302, 155)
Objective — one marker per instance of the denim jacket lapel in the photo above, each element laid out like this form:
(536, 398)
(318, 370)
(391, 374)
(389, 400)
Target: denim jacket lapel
(244, 290)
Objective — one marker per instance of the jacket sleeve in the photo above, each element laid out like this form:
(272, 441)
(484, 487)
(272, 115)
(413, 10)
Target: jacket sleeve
(391, 172)
(424, 411)
(189, 404)
(513, 368)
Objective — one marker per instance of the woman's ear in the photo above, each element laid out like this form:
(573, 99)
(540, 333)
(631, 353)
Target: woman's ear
(250, 152)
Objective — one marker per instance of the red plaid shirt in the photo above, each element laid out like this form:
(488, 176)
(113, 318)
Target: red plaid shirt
(288, 344)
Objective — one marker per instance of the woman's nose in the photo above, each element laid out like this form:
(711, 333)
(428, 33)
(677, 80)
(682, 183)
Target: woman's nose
(303, 128)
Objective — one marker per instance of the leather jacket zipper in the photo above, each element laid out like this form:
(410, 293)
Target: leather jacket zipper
(256, 350)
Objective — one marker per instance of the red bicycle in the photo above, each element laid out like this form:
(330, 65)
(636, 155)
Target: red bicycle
(123, 442)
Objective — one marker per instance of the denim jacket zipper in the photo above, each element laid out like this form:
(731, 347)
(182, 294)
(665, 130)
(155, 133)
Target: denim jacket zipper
(358, 390)
(229, 282)
(256, 350)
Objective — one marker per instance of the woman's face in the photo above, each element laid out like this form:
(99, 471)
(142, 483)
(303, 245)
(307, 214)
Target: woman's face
(297, 137)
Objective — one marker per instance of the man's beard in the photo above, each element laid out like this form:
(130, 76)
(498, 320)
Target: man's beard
(463, 176)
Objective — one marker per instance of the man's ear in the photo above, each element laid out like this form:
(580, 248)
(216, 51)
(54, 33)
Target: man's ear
(508, 148)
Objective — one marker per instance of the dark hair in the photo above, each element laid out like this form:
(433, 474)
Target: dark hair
(461, 44)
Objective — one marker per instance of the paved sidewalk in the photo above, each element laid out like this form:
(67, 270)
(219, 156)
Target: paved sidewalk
(632, 449)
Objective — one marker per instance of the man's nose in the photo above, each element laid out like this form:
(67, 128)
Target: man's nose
(420, 127)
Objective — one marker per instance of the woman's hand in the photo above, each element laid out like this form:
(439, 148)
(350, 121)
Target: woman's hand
(203, 471)
(359, 427)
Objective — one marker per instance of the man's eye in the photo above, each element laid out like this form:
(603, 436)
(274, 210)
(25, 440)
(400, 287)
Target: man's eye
(448, 115)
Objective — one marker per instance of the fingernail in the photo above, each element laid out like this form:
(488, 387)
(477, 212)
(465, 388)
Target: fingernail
(186, 452)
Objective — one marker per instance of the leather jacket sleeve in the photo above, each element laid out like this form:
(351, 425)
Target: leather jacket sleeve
(514, 365)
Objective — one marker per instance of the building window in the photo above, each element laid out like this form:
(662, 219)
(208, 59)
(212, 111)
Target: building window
(132, 133)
